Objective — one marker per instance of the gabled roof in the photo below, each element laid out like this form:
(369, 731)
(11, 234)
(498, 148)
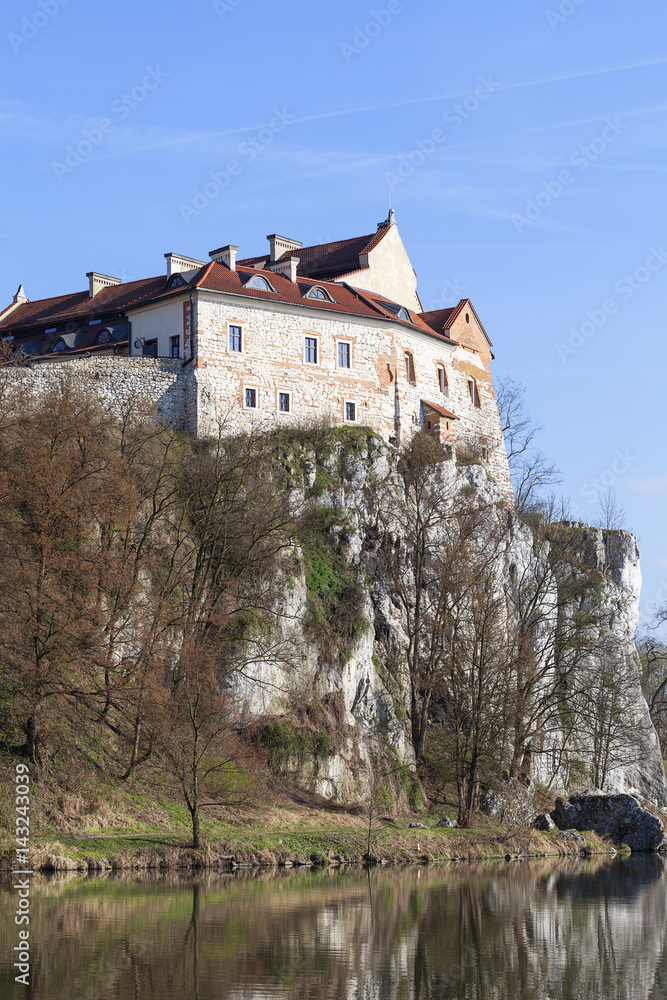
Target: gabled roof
(327, 261)
(442, 320)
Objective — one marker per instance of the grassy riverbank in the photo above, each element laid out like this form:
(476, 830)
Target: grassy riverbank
(286, 835)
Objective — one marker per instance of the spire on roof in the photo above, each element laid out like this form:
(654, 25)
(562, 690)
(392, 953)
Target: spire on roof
(21, 296)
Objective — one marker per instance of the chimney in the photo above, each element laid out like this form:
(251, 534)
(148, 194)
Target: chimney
(280, 245)
(287, 267)
(225, 255)
(96, 282)
(21, 296)
(389, 221)
(178, 264)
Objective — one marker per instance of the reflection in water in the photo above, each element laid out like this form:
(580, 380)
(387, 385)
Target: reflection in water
(504, 932)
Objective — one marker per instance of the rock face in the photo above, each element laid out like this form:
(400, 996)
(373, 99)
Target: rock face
(511, 804)
(618, 816)
(372, 683)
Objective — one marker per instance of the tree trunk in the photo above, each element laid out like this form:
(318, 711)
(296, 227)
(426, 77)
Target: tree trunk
(33, 738)
(196, 828)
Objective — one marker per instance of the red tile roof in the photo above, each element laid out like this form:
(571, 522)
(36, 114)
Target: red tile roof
(328, 260)
(78, 306)
(441, 320)
(440, 409)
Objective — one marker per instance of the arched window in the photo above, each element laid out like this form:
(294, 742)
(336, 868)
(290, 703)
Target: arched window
(259, 284)
(103, 337)
(318, 293)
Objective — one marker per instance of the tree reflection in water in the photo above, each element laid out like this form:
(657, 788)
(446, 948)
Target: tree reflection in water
(579, 930)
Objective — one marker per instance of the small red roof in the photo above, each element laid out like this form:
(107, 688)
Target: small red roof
(439, 409)
(441, 320)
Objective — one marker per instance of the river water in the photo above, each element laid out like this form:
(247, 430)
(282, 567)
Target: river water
(572, 931)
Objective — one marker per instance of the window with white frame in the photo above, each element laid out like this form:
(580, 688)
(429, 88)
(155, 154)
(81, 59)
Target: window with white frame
(235, 338)
(310, 350)
(284, 402)
(318, 293)
(259, 284)
(350, 412)
(344, 354)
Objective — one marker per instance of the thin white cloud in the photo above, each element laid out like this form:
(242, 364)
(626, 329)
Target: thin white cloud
(651, 486)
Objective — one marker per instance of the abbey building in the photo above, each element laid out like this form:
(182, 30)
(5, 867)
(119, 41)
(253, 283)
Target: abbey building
(297, 333)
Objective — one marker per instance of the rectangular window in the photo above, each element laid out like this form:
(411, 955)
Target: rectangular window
(175, 343)
(284, 402)
(310, 350)
(442, 380)
(150, 349)
(410, 368)
(235, 338)
(251, 399)
(344, 356)
(474, 394)
(351, 412)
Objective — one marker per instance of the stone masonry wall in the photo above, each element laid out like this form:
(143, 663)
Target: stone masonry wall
(146, 383)
(387, 394)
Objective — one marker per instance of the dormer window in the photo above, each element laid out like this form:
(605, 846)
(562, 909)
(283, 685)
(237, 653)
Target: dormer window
(104, 337)
(404, 315)
(58, 346)
(259, 284)
(176, 281)
(318, 293)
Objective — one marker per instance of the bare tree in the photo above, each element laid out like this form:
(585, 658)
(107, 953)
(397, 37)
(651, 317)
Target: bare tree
(200, 751)
(611, 515)
(653, 659)
(531, 471)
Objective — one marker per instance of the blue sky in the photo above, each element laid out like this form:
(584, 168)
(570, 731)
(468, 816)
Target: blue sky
(541, 198)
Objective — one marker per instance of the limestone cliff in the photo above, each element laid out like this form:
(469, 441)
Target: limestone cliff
(581, 733)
